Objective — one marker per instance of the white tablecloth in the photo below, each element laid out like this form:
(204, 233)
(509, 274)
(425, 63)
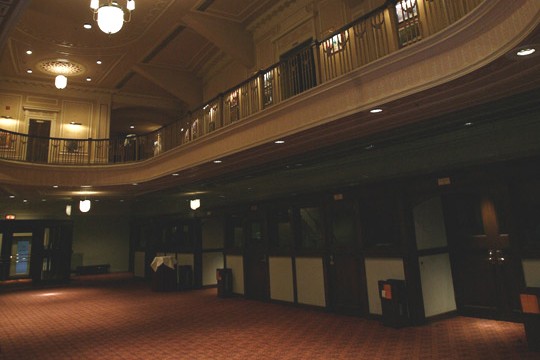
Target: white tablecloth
(168, 261)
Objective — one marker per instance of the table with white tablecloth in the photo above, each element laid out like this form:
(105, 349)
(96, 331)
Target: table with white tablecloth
(164, 275)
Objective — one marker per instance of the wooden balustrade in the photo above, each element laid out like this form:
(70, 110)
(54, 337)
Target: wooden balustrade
(397, 24)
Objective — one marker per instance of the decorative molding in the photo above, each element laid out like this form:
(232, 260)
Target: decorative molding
(40, 108)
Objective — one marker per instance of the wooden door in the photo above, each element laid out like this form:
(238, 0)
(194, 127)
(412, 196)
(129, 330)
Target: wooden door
(486, 269)
(38, 141)
(297, 70)
(345, 286)
(255, 262)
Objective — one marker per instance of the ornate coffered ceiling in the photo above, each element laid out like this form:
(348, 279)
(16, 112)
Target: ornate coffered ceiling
(165, 51)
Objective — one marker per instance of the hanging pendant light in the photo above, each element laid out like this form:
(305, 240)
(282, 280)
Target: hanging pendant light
(195, 204)
(60, 82)
(84, 205)
(110, 15)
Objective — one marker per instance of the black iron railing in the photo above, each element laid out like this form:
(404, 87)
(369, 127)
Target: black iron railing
(385, 30)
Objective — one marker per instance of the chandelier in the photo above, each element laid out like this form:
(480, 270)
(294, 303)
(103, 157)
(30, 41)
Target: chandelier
(109, 15)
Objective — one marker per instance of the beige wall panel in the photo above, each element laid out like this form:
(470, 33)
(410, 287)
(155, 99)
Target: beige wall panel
(41, 100)
(281, 278)
(310, 281)
(360, 8)
(236, 264)
(429, 224)
(213, 233)
(296, 36)
(185, 259)
(331, 17)
(228, 76)
(381, 269)
(102, 240)
(10, 111)
(266, 54)
(139, 266)
(437, 284)
(531, 270)
(80, 113)
(210, 262)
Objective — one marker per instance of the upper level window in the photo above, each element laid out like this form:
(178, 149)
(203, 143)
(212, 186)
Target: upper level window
(336, 43)
(268, 86)
(408, 22)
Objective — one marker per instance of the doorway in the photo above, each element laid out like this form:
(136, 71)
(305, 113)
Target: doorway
(255, 261)
(15, 255)
(486, 269)
(344, 263)
(35, 250)
(297, 70)
(37, 149)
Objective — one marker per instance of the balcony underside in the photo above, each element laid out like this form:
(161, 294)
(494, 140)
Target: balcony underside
(421, 88)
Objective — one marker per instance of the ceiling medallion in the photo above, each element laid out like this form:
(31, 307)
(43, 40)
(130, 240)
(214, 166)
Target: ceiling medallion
(61, 67)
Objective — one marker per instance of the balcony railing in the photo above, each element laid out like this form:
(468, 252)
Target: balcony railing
(397, 24)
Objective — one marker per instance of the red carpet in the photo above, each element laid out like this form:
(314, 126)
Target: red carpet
(117, 317)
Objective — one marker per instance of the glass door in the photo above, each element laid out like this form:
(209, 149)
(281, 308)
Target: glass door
(21, 250)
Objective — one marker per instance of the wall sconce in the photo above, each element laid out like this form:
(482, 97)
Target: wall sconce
(84, 205)
(68, 210)
(195, 204)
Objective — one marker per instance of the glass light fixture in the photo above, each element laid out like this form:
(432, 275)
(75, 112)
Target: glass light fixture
(84, 205)
(526, 51)
(68, 210)
(60, 82)
(110, 15)
(195, 204)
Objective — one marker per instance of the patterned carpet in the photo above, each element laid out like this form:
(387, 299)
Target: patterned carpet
(118, 317)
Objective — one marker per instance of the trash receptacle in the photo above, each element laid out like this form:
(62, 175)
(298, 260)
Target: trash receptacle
(224, 282)
(530, 299)
(185, 277)
(395, 309)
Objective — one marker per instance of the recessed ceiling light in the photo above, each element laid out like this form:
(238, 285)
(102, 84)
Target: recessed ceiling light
(374, 111)
(217, 161)
(86, 186)
(29, 71)
(370, 147)
(25, 201)
(279, 142)
(43, 200)
(29, 52)
(87, 26)
(12, 196)
(175, 174)
(132, 126)
(99, 62)
(134, 184)
(55, 186)
(526, 51)
(468, 123)
(88, 79)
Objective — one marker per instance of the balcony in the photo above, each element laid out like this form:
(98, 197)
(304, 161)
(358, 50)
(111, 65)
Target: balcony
(355, 50)
(426, 84)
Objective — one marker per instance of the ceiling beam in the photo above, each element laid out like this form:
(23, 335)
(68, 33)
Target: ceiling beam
(229, 36)
(180, 83)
